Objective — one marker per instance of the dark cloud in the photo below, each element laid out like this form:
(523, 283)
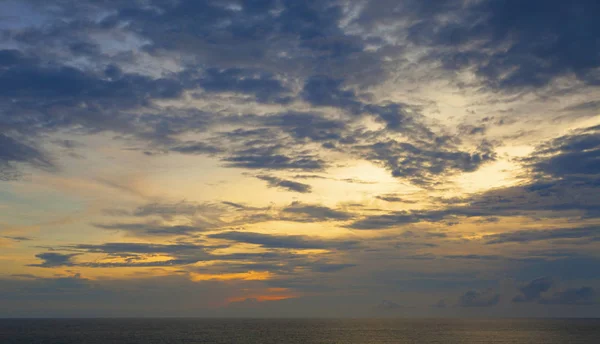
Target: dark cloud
(278, 44)
(326, 268)
(283, 241)
(304, 284)
(387, 305)
(285, 184)
(440, 304)
(119, 248)
(185, 254)
(154, 229)
(106, 95)
(593, 106)
(18, 238)
(474, 257)
(474, 298)
(316, 212)
(53, 259)
(311, 126)
(170, 210)
(569, 156)
(398, 218)
(571, 267)
(539, 235)
(275, 162)
(563, 180)
(494, 39)
(533, 290)
(409, 245)
(195, 148)
(13, 152)
(32, 81)
(394, 199)
(77, 296)
(262, 85)
(400, 117)
(422, 163)
(322, 90)
(274, 86)
(234, 205)
(575, 296)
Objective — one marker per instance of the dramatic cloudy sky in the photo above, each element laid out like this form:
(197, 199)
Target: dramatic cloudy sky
(299, 158)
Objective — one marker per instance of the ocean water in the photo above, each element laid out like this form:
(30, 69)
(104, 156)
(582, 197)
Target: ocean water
(264, 331)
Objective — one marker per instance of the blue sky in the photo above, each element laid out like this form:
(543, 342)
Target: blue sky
(299, 158)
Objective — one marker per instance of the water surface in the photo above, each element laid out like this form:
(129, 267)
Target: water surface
(264, 331)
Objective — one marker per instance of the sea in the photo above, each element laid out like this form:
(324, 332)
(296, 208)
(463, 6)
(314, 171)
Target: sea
(301, 331)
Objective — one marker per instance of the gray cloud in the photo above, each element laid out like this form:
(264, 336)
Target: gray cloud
(275, 162)
(285, 184)
(538, 235)
(474, 298)
(194, 148)
(574, 296)
(387, 305)
(533, 290)
(53, 259)
(18, 238)
(154, 229)
(13, 151)
(394, 199)
(273, 87)
(283, 241)
(310, 212)
(262, 85)
(472, 43)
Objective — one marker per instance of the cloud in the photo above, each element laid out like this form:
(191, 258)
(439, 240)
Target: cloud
(498, 48)
(129, 254)
(563, 180)
(321, 90)
(304, 125)
(569, 156)
(155, 229)
(283, 241)
(264, 86)
(275, 162)
(398, 218)
(327, 268)
(53, 259)
(387, 305)
(13, 151)
(285, 184)
(474, 257)
(17, 238)
(392, 198)
(474, 298)
(183, 208)
(111, 94)
(119, 248)
(421, 162)
(571, 267)
(440, 304)
(78, 296)
(287, 91)
(533, 290)
(592, 106)
(310, 212)
(574, 296)
(539, 235)
(195, 148)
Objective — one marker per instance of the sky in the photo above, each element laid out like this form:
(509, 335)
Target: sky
(284, 158)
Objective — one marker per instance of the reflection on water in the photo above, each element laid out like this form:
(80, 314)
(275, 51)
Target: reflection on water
(160, 331)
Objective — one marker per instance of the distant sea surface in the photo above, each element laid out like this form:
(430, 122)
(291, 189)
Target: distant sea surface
(263, 331)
